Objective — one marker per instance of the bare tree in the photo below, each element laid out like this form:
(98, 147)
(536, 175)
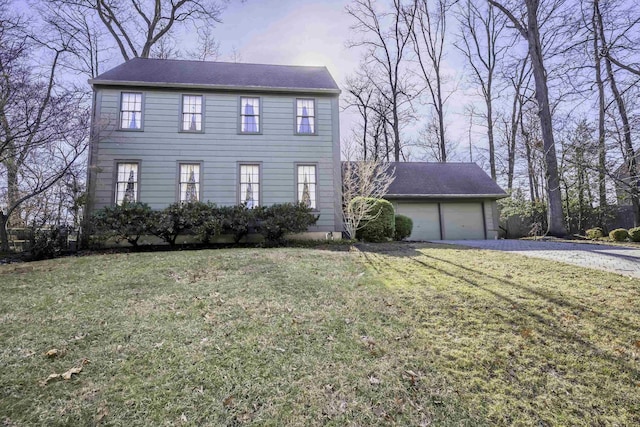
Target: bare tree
(385, 37)
(602, 151)
(360, 178)
(520, 86)
(208, 47)
(428, 40)
(529, 29)
(43, 125)
(629, 153)
(136, 26)
(481, 31)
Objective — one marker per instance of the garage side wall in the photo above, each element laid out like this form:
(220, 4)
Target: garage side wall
(491, 218)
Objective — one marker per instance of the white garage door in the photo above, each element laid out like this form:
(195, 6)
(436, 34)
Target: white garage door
(462, 221)
(426, 220)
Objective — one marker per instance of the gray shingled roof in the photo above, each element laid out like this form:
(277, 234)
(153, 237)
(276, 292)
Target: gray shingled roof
(442, 180)
(203, 74)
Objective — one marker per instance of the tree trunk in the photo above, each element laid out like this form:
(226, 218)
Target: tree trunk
(396, 136)
(492, 150)
(554, 199)
(602, 153)
(4, 236)
(629, 152)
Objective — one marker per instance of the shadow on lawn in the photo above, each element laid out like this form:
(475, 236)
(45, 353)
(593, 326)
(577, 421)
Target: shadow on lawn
(464, 275)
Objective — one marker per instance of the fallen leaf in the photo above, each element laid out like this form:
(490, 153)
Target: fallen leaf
(103, 411)
(373, 380)
(52, 353)
(227, 402)
(183, 418)
(66, 375)
(638, 344)
(526, 332)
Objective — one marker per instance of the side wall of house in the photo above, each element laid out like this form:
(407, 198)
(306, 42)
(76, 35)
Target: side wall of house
(160, 147)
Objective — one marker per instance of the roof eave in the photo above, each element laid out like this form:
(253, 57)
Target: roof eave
(447, 196)
(99, 82)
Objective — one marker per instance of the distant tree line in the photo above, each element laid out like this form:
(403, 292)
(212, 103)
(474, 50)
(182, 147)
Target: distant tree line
(548, 87)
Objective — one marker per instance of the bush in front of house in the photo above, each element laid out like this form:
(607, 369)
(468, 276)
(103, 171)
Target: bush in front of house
(619, 235)
(128, 221)
(274, 221)
(204, 220)
(634, 234)
(172, 221)
(404, 226)
(47, 243)
(594, 233)
(380, 224)
(237, 221)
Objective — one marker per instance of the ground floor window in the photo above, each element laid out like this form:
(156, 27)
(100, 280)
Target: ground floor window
(306, 183)
(189, 182)
(250, 185)
(126, 183)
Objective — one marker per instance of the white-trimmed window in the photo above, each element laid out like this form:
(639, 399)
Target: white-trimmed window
(305, 116)
(307, 185)
(127, 183)
(189, 182)
(131, 110)
(249, 115)
(191, 113)
(250, 185)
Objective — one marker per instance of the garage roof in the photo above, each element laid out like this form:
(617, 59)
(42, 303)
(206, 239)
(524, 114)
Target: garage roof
(219, 75)
(442, 180)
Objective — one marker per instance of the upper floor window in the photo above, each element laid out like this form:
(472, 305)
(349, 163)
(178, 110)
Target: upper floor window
(189, 182)
(126, 183)
(306, 184)
(249, 115)
(191, 113)
(305, 116)
(250, 185)
(131, 110)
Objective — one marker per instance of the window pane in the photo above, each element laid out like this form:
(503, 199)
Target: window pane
(131, 111)
(250, 185)
(189, 182)
(192, 112)
(307, 185)
(250, 115)
(305, 116)
(126, 182)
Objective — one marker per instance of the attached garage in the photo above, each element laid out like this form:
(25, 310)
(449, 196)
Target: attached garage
(446, 201)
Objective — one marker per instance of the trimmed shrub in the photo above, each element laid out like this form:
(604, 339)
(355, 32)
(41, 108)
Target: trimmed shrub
(172, 221)
(404, 226)
(47, 244)
(274, 221)
(594, 233)
(619, 235)
(634, 234)
(204, 220)
(381, 226)
(128, 221)
(237, 221)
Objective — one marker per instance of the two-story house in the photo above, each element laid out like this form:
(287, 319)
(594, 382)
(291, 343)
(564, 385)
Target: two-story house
(229, 133)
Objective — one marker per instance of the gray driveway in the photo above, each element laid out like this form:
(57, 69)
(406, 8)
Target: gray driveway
(617, 259)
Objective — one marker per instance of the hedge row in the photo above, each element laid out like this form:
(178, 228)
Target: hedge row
(131, 221)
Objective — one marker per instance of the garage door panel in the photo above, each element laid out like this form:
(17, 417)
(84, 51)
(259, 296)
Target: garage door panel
(462, 221)
(425, 217)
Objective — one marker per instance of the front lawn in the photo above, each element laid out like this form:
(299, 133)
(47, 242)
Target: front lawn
(391, 334)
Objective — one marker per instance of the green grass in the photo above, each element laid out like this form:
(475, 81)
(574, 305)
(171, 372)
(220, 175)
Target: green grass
(391, 334)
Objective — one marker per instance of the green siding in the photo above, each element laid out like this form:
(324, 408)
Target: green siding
(160, 146)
